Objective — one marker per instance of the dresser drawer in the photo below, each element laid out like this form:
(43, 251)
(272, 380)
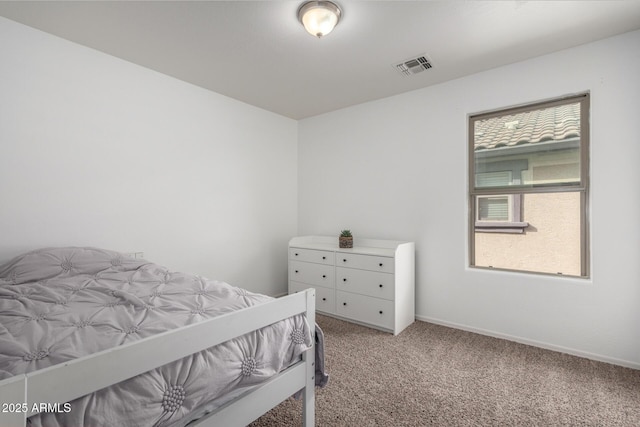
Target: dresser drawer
(312, 274)
(365, 282)
(365, 262)
(311, 255)
(325, 298)
(371, 310)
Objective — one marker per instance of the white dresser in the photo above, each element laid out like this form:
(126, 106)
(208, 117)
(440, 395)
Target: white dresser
(372, 283)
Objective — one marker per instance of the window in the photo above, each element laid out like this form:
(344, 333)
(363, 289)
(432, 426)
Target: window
(528, 187)
(494, 208)
(501, 212)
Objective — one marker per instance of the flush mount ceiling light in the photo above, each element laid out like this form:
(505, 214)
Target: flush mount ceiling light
(319, 17)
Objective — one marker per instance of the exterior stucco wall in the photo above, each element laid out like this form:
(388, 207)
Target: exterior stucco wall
(551, 243)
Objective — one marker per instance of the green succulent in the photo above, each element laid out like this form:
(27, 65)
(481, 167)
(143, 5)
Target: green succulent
(345, 233)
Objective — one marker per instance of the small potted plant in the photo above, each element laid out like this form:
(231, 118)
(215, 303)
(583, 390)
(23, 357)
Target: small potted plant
(346, 239)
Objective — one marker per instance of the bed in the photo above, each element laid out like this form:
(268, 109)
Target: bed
(94, 337)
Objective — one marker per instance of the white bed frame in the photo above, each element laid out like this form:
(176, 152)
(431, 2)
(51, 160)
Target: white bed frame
(67, 381)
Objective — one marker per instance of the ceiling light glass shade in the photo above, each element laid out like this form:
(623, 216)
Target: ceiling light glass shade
(319, 17)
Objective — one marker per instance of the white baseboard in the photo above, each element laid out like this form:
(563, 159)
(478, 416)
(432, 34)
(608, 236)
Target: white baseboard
(534, 343)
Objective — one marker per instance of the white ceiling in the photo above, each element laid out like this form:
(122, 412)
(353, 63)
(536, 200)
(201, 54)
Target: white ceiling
(258, 52)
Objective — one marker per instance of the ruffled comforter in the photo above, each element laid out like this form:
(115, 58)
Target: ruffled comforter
(63, 303)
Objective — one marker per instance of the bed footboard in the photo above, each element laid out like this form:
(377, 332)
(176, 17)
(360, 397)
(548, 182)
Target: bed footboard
(23, 395)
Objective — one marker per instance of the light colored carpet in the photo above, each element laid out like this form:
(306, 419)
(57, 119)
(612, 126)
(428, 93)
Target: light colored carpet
(433, 375)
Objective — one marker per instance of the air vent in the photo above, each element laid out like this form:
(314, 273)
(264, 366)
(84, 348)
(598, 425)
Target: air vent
(413, 66)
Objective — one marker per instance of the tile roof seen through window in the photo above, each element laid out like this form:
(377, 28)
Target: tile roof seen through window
(531, 127)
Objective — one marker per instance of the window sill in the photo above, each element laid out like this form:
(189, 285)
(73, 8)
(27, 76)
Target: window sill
(500, 227)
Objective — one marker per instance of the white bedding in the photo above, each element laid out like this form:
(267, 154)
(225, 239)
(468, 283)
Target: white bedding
(62, 303)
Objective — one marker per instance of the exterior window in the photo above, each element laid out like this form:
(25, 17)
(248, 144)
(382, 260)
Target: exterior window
(494, 208)
(499, 213)
(528, 188)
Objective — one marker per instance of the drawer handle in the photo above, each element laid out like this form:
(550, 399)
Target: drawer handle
(344, 260)
(380, 264)
(296, 254)
(296, 271)
(380, 311)
(324, 257)
(344, 280)
(344, 303)
(380, 285)
(324, 276)
(324, 299)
